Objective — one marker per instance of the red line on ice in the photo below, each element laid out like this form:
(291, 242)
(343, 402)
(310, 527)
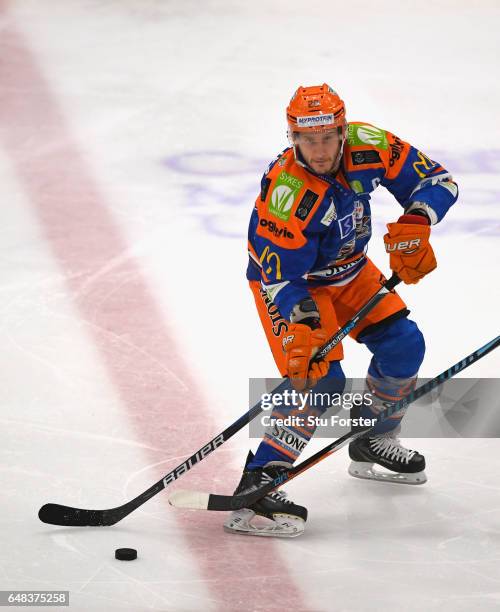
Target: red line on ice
(127, 326)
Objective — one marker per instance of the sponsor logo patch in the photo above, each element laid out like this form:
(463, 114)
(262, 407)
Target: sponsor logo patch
(365, 157)
(291, 441)
(279, 232)
(396, 149)
(347, 249)
(358, 209)
(423, 165)
(334, 270)
(273, 262)
(264, 189)
(330, 215)
(356, 186)
(315, 120)
(346, 225)
(283, 195)
(367, 134)
(306, 204)
(279, 323)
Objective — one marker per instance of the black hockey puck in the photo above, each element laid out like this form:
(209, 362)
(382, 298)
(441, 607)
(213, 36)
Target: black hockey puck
(125, 554)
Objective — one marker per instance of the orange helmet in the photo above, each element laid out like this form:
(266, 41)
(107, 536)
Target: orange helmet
(315, 108)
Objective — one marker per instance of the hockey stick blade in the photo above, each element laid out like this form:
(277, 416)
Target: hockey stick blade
(226, 503)
(56, 514)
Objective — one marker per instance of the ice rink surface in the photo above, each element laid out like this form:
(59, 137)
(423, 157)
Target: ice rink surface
(133, 136)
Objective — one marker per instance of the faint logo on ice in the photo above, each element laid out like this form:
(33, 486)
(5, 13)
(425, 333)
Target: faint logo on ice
(219, 189)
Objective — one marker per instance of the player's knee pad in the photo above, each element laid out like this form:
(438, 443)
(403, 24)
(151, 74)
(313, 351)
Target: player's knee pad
(398, 349)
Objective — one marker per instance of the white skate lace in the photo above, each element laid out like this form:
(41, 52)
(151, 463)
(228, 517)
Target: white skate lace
(277, 495)
(390, 447)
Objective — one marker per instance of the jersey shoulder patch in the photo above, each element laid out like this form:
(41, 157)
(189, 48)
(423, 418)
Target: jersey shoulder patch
(371, 148)
(362, 134)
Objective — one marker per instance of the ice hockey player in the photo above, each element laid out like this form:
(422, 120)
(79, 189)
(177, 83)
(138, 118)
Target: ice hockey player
(309, 274)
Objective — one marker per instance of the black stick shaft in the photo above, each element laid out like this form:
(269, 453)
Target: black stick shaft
(235, 502)
(57, 514)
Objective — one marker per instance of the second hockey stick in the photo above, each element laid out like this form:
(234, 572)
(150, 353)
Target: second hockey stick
(57, 514)
(197, 500)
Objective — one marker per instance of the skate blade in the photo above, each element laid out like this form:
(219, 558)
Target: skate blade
(365, 470)
(283, 525)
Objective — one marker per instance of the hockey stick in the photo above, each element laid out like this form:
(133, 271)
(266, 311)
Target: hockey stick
(208, 501)
(56, 514)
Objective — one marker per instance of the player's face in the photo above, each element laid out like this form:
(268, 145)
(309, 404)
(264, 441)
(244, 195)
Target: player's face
(319, 149)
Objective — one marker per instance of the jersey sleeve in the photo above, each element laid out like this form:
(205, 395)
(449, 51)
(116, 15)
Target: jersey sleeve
(416, 181)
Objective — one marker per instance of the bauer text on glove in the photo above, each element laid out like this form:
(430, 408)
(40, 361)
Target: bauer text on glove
(410, 254)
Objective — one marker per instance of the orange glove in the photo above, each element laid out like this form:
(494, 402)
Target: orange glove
(410, 255)
(300, 344)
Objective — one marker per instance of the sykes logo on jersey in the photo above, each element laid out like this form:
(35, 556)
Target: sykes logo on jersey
(283, 196)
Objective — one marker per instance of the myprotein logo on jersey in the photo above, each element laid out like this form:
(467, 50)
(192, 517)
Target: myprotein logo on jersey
(283, 195)
(406, 246)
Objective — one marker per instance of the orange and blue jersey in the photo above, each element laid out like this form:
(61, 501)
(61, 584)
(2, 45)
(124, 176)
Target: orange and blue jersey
(308, 230)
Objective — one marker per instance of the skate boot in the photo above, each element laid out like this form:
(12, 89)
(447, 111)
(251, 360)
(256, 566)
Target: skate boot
(287, 519)
(405, 466)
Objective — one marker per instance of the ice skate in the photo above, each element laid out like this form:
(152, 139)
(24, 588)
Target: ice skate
(284, 518)
(403, 465)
